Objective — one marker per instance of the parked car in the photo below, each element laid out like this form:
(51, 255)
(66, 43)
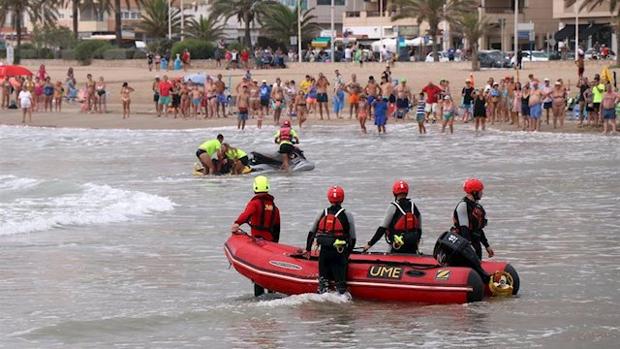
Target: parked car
(537, 56)
(493, 59)
(556, 56)
(443, 57)
(593, 54)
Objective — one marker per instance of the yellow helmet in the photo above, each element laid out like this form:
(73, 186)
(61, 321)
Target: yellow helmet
(261, 184)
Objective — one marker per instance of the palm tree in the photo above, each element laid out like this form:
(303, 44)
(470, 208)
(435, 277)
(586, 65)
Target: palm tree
(472, 28)
(207, 29)
(43, 11)
(154, 20)
(614, 9)
(281, 24)
(100, 6)
(246, 11)
(433, 12)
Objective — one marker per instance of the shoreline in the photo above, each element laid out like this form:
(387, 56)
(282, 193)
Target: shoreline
(148, 121)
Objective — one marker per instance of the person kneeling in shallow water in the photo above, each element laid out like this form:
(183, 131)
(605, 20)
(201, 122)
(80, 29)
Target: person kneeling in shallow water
(238, 157)
(285, 137)
(334, 231)
(208, 154)
(263, 216)
(402, 224)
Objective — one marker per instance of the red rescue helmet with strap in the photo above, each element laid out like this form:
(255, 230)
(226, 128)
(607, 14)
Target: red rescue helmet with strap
(286, 123)
(335, 195)
(400, 187)
(473, 185)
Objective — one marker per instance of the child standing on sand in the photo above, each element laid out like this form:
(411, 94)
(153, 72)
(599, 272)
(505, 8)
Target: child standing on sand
(381, 107)
(59, 92)
(362, 112)
(420, 115)
(126, 99)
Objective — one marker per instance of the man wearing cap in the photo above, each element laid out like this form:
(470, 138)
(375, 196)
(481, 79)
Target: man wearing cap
(286, 137)
(547, 100)
(432, 92)
(468, 98)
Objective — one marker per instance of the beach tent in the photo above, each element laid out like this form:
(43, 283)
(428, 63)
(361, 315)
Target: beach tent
(197, 78)
(419, 41)
(390, 43)
(14, 70)
(320, 42)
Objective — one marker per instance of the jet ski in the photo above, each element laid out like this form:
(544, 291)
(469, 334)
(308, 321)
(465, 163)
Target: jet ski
(266, 162)
(272, 161)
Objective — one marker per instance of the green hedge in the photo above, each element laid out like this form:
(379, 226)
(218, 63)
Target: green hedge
(118, 53)
(68, 55)
(197, 49)
(42, 53)
(85, 51)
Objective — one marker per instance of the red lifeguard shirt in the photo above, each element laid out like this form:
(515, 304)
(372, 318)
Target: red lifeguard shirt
(263, 216)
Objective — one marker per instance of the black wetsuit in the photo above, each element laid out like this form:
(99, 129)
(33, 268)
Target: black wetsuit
(469, 220)
(333, 262)
(411, 236)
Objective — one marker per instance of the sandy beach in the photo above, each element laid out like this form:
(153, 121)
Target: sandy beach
(143, 116)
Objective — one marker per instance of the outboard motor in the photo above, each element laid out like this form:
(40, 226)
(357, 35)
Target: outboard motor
(454, 250)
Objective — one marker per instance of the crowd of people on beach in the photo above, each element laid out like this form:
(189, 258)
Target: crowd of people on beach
(525, 104)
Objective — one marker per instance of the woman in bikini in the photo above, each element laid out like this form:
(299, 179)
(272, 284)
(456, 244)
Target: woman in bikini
(126, 99)
(91, 99)
(300, 107)
(558, 103)
(101, 95)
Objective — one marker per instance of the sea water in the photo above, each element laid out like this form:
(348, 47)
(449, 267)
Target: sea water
(106, 240)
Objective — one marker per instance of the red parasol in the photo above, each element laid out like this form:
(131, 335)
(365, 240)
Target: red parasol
(14, 70)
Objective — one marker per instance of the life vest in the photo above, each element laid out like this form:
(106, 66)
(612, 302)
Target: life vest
(285, 134)
(267, 215)
(404, 221)
(334, 223)
(476, 216)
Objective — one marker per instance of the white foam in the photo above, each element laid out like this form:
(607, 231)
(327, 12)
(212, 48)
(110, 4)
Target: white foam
(10, 182)
(93, 204)
(299, 299)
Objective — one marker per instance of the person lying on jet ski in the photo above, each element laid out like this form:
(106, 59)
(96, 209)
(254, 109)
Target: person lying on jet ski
(286, 137)
(209, 154)
(334, 231)
(238, 158)
(402, 225)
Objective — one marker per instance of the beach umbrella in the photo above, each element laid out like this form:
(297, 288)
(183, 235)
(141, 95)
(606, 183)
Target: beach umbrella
(14, 70)
(198, 78)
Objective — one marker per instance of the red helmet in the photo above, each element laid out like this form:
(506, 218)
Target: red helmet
(473, 185)
(286, 123)
(400, 187)
(335, 195)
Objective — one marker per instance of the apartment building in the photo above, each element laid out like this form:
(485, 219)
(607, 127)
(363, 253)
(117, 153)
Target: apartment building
(595, 26)
(535, 18)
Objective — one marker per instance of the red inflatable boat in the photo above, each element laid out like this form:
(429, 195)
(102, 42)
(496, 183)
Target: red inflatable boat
(371, 276)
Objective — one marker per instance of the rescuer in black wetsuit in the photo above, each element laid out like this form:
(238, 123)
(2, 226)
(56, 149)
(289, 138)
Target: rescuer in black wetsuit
(469, 217)
(402, 225)
(334, 231)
